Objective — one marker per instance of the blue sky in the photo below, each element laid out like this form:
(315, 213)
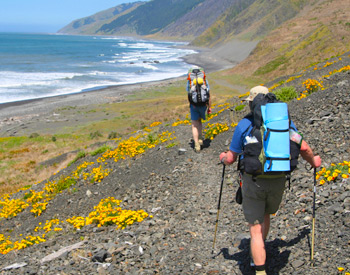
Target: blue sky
(48, 15)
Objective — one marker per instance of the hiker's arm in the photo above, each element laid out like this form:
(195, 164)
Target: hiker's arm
(228, 158)
(308, 155)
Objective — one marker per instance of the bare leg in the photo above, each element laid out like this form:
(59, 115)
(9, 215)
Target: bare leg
(197, 132)
(257, 244)
(266, 226)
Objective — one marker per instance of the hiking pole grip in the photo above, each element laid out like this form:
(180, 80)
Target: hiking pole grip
(219, 204)
(313, 219)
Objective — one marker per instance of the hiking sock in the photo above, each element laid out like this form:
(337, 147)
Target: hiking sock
(200, 139)
(197, 147)
(260, 269)
(251, 258)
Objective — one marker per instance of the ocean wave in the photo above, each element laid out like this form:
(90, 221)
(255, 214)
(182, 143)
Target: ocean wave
(17, 79)
(105, 61)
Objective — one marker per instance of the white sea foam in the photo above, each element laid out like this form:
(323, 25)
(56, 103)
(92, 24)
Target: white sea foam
(17, 79)
(116, 61)
(141, 46)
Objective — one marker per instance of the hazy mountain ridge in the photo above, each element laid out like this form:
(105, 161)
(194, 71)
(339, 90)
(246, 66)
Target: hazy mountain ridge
(212, 21)
(184, 19)
(91, 24)
(293, 34)
(150, 18)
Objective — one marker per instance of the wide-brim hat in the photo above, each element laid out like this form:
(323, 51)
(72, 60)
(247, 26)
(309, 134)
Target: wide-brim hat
(255, 91)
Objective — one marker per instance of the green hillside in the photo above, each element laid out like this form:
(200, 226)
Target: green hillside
(319, 32)
(249, 20)
(150, 17)
(197, 20)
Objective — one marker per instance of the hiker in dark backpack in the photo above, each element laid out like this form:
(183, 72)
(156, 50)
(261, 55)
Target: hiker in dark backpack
(263, 174)
(200, 103)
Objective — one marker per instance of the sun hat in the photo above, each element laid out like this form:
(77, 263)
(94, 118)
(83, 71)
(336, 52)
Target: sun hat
(255, 91)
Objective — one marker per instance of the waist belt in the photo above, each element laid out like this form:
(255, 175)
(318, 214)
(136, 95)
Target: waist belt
(266, 176)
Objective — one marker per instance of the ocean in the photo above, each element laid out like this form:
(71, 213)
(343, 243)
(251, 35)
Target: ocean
(44, 65)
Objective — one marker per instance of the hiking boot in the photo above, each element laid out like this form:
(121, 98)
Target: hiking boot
(197, 147)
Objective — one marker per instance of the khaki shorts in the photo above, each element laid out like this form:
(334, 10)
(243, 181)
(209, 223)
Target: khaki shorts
(261, 197)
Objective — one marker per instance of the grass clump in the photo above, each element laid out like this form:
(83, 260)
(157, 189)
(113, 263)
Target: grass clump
(100, 150)
(239, 108)
(95, 135)
(286, 94)
(171, 145)
(34, 135)
(64, 183)
(271, 66)
(80, 155)
(113, 135)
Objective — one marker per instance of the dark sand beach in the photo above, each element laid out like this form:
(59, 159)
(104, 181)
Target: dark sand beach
(23, 117)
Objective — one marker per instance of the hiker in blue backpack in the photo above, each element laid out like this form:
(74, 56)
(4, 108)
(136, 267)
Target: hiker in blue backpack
(200, 103)
(262, 194)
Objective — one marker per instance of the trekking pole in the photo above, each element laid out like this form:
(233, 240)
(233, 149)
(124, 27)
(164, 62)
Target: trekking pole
(313, 220)
(217, 215)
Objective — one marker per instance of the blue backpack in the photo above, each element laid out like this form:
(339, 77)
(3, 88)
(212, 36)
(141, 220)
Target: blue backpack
(268, 148)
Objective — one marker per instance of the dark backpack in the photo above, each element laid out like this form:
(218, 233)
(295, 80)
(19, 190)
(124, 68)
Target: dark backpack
(198, 94)
(268, 148)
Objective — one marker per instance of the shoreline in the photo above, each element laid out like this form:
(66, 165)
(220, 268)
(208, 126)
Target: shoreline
(21, 112)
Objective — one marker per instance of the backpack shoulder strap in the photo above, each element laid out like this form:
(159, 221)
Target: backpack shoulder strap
(249, 129)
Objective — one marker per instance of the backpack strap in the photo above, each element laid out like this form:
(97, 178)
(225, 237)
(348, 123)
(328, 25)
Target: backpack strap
(273, 158)
(273, 130)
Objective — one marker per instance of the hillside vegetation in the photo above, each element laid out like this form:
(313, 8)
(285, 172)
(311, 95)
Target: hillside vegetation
(146, 203)
(196, 21)
(249, 20)
(320, 31)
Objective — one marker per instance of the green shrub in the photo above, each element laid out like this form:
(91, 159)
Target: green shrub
(27, 195)
(113, 135)
(170, 145)
(286, 94)
(151, 138)
(80, 155)
(96, 134)
(64, 183)
(34, 135)
(239, 108)
(100, 150)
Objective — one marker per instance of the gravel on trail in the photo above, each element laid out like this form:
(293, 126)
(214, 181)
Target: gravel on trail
(180, 188)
